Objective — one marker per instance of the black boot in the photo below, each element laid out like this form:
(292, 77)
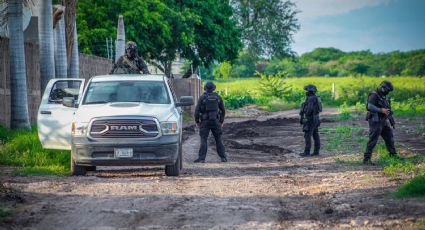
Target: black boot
(199, 161)
(368, 161)
(305, 154)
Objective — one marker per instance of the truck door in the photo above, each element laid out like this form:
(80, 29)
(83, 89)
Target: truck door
(53, 118)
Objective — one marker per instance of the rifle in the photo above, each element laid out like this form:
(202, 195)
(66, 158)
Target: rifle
(387, 105)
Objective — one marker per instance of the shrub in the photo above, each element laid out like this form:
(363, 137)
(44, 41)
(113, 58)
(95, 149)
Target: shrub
(273, 86)
(232, 101)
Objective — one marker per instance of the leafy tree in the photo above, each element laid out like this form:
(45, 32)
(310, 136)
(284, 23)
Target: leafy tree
(322, 55)
(223, 70)
(244, 66)
(289, 66)
(216, 37)
(201, 31)
(267, 26)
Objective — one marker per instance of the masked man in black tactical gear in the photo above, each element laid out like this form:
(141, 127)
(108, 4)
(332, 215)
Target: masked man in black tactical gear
(380, 120)
(209, 115)
(309, 118)
(130, 63)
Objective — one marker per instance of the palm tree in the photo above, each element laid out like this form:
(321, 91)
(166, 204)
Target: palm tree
(18, 75)
(74, 67)
(120, 43)
(61, 64)
(45, 34)
(70, 16)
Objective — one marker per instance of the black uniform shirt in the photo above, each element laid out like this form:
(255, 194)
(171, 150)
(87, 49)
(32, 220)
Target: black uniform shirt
(198, 111)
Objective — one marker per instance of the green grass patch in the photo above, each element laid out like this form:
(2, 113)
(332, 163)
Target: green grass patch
(413, 188)
(23, 149)
(421, 222)
(188, 117)
(54, 170)
(4, 213)
(411, 165)
(341, 139)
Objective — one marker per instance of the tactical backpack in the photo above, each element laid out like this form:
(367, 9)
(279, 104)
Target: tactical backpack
(210, 110)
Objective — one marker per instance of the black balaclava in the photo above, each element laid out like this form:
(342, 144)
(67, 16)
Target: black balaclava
(385, 88)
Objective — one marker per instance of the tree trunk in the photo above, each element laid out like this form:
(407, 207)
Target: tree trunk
(61, 64)
(18, 75)
(45, 34)
(70, 18)
(74, 67)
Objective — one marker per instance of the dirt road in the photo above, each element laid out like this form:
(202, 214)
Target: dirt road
(265, 185)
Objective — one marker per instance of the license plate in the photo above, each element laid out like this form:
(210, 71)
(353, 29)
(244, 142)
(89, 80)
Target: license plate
(123, 153)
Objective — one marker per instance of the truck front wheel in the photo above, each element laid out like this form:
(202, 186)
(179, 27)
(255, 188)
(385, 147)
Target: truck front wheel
(173, 170)
(77, 170)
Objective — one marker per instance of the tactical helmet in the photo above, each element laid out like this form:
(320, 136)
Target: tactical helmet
(130, 45)
(209, 86)
(387, 85)
(310, 88)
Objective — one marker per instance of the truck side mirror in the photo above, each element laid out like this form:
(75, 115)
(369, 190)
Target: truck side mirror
(69, 102)
(185, 101)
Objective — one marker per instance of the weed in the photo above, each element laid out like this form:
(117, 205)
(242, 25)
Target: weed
(413, 188)
(4, 213)
(340, 138)
(187, 117)
(395, 166)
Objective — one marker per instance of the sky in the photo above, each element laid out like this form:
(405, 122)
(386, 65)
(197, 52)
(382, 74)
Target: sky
(350, 25)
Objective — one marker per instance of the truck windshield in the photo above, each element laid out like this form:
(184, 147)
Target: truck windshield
(153, 92)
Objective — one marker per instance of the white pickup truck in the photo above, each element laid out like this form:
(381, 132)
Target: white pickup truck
(116, 120)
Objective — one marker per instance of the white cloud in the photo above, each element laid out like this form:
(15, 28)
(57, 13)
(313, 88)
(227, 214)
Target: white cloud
(315, 8)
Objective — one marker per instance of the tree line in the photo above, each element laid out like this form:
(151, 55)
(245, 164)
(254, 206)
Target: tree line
(202, 32)
(327, 62)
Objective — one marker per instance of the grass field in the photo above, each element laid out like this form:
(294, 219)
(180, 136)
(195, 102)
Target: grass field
(236, 86)
(408, 96)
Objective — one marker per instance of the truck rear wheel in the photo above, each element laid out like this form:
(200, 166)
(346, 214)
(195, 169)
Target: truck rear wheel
(173, 170)
(77, 170)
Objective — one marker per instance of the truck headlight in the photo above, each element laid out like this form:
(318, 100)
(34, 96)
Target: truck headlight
(169, 128)
(79, 128)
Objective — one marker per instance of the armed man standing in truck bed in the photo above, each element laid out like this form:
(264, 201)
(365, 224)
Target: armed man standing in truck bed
(130, 62)
(381, 122)
(209, 115)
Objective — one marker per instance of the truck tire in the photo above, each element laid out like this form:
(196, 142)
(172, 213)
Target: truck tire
(173, 170)
(77, 170)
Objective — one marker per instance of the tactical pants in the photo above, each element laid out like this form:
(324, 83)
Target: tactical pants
(376, 129)
(311, 129)
(215, 127)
